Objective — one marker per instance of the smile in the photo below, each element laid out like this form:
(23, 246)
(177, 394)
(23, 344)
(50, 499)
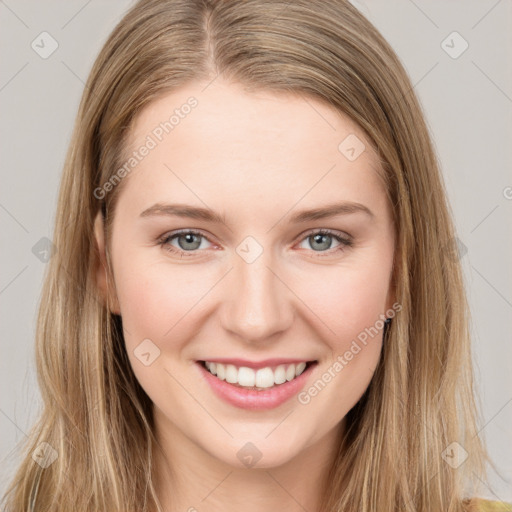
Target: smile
(264, 386)
(250, 378)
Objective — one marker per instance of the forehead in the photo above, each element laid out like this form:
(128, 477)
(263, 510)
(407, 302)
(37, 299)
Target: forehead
(223, 143)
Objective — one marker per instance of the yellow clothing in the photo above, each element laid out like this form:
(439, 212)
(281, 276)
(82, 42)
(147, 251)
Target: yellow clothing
(483, 505)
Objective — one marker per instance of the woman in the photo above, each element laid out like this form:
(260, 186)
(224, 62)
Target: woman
(309, 349)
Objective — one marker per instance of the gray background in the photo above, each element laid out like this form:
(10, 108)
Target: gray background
(468, 103)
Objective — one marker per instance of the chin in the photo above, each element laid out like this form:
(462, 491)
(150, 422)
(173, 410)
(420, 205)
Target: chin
(257, 453)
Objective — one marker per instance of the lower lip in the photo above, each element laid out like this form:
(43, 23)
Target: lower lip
(252, 398)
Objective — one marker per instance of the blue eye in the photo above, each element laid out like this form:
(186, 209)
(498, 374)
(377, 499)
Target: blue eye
(324, 237)
(189, 241)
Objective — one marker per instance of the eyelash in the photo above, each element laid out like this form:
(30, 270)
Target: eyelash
(164, 241)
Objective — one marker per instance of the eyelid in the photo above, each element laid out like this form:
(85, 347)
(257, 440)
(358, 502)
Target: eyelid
(334, 232)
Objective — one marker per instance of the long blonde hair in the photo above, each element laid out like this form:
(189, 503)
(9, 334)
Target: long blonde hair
(98, 420)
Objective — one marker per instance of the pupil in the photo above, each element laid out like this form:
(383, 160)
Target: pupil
(189, 239)
(318, 239)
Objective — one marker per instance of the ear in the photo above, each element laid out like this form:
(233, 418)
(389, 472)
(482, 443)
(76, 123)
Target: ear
(101, 267)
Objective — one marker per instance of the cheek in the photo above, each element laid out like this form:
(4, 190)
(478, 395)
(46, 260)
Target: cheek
(346, 300)
(349, 303)
(160, 303)
(352, 312)
(154, 299)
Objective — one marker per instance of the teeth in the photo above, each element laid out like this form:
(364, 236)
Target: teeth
(300, 368)
(231, 374)
(221, 371)
(262, 378)
(265, 378)
(280, 374)
(246, 377)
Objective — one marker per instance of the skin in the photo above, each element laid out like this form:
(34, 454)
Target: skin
(257, 158)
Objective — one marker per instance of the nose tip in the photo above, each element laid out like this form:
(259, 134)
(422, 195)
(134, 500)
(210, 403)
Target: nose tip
(256, 307)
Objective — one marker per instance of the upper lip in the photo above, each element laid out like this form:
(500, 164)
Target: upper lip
(257, 364)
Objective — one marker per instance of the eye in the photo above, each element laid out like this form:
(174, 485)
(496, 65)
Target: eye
(322, 240)
(189, 241)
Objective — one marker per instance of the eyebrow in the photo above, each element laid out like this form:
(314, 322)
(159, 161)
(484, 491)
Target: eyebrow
(206, 214)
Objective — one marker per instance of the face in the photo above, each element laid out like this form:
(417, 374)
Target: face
(251, 281)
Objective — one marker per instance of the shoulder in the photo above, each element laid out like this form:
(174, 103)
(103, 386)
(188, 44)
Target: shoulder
(483, 505)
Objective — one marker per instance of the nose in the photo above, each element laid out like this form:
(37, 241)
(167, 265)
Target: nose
(257, 304)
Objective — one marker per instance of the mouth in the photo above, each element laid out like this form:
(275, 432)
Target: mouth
(257, 379)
